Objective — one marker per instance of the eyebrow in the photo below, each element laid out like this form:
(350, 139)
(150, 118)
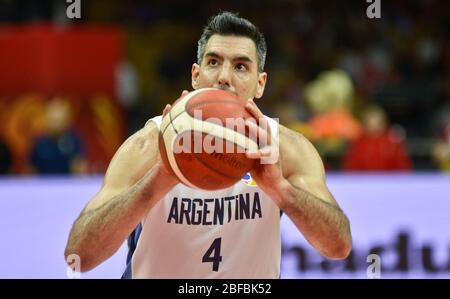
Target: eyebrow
(238, 58)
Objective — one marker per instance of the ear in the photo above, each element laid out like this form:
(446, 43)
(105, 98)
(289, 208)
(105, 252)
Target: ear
(195, 72)
(262, 79)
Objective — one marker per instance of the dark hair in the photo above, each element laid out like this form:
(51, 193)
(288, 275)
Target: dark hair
(227, 23)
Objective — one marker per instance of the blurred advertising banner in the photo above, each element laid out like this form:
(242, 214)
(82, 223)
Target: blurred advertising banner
(76, 64)
(403, 219)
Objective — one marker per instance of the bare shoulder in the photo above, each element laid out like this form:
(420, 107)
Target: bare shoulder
(294, 143)
(143, 140)
(298, 154)
(290, 136)
(134, 157)
(302, 165)
(131, 161)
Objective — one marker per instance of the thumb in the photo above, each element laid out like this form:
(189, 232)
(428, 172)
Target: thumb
(166, 109)
(183, 93)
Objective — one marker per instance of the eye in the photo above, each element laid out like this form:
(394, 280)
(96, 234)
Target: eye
(213, 62)
(241, 67)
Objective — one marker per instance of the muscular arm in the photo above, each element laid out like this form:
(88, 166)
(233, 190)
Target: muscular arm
(324, 225)
(296, 183)
(303, 195)
(133, 184)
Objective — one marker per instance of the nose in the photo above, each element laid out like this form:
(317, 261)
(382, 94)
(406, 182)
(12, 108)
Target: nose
(224, 79)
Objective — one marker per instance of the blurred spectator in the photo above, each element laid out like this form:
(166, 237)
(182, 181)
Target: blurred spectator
(441, 151)
(397, 63)
(5, 158)
(59, 151)
(127, 91)
(379, 148)
(330, 98)
(126, 84)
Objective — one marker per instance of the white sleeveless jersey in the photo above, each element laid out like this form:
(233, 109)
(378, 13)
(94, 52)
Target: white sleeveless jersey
(228, 233)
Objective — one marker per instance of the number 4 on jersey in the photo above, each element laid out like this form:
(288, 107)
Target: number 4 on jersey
(212, 255)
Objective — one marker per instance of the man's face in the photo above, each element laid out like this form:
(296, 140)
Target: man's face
(230, 63)
(375, 122)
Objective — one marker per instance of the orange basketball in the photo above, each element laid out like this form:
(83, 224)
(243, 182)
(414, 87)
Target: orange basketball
(203, 139)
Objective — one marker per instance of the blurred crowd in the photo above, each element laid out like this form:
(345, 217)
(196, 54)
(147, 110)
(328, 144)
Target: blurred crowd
(371, 94)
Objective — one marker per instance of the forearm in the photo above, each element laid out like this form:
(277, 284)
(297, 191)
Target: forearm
(99, 232)
(324, 225)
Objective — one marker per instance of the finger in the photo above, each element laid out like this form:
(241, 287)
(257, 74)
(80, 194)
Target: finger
(264, 136)
(259, 133)
(166, 109)
(252, 129)
(253, 155)
(264, 125)
(183, 93)
(266, 151)
(256, 132)
(259, 154)
(270, 155)
(253, 109)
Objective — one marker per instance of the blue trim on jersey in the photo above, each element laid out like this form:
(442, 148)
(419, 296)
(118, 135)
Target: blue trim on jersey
(132, 243)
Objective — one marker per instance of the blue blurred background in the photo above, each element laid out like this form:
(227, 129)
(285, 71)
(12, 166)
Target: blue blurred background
(373, 95)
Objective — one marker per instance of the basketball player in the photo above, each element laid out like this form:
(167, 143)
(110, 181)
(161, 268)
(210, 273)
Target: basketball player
(178, 232)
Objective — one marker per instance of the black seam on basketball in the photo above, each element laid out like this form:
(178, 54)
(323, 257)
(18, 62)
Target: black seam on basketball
(171, 121)
(215, 170)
